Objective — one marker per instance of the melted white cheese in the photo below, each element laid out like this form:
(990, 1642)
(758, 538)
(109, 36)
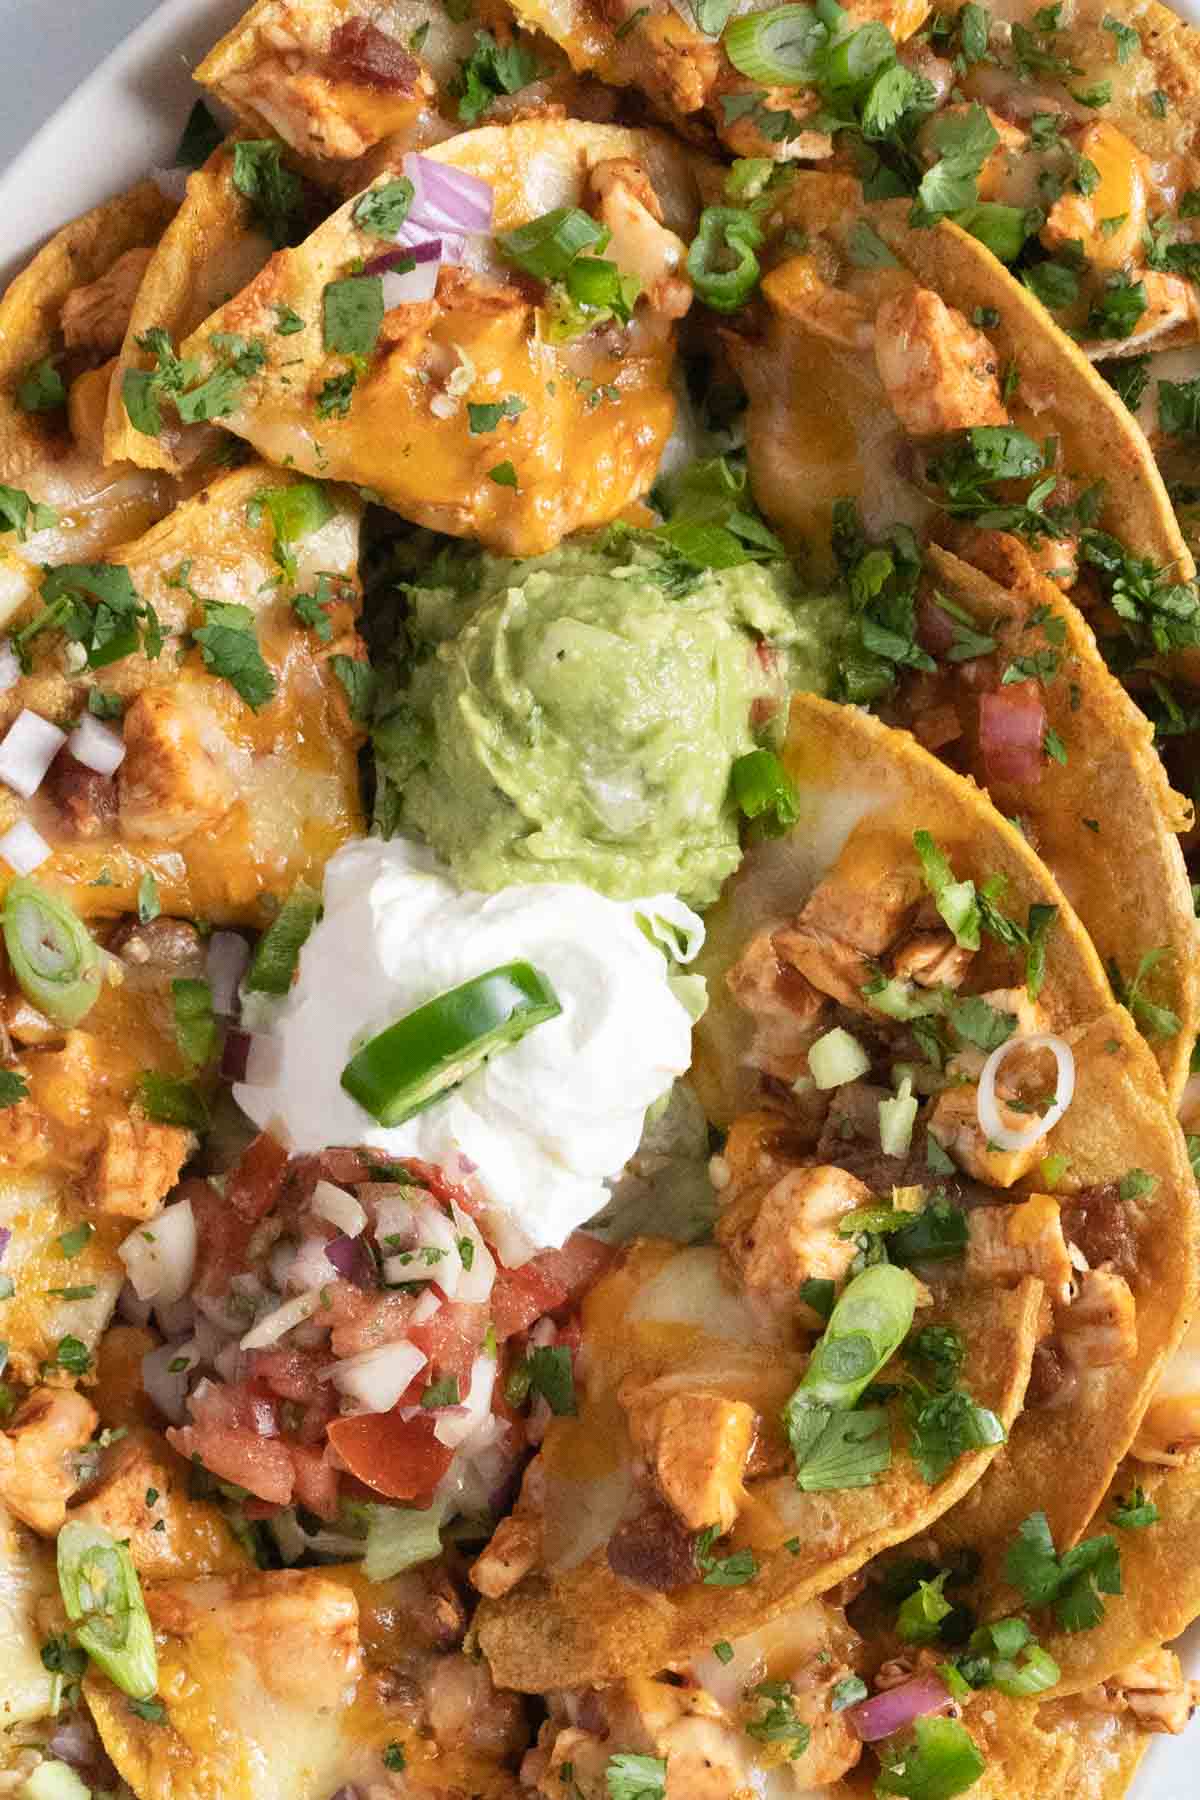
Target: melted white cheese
(546, 1121)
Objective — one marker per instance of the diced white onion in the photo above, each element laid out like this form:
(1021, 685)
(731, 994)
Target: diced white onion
(456, 1425)
(132, 1310)
(10, 668)
(377, 1378)
(160, 1257)
(476, 1283)
(24, 848)
(171, 183)
(992, 1125)
(428, 1304)
(410, 286)
(277, 1324)
(310, 1267)
(340, 1208)
(97, 746)
(228, 955)
(30, 746)
(177, 1318)
(166, 1383)
(264, 1061)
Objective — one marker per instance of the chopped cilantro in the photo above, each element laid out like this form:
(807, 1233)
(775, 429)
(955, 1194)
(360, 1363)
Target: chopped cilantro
(1128, 41)
(18, 513)
(1153, 1020)
(1129, 376)
(276, 196)
(358, 680)
(352, 311)
(41, 389)
(1133, 1512)
(1117, 309)
(943, 1427)
(491, 70)
(551, 1375)
(168, 1101)
(776, 1721)
(734, 1570)
(920, 1616)
(1072, 1584)
(483, 418)
(13, 1088)
(1179, 408)
(504, 475)
(333, 401)
(230, 650)
(630, 1777)
(384, 208)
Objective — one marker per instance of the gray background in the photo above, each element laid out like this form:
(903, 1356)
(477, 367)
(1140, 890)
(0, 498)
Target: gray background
(47, 47)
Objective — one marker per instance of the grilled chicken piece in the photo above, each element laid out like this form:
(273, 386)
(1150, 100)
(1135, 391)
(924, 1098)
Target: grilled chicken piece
(774, 1243)
(467, 1712)
(939, 373)
(36, 1473)
(514, 1550)
(136, 1165)
(1154, 1689)
(932, 959)
(785, 1007)
(1006, 1243)
(96, 317)
(954, 1122)
(140, 1494)
(171, 783)
(868, 896)
(621, 197)
(697, 1445)
(1100, 1325)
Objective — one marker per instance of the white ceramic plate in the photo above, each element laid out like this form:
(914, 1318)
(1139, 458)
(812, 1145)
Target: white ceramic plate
(125, 120)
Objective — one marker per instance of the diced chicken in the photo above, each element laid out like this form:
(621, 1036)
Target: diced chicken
(96, 317)
(760, 1147)
(1100, 1325)
(568, 1763)
(136, 1165)
(697, 1444)
(939, 373)
(467, 1712)
(868, 896)
(932, 959)
(790, 1235)
(171, 783)
(37, 1476)
(140, 1494)
(705, 1758)
(515, 1549)
(954, 1122)
(318, 105)
(797, 290)
(1154, 1689)
(833, 1747)
(622, 197)
(827, 963)
(1171, 1426)
(1118, 198)
(1006, 1243)
(784, 1005)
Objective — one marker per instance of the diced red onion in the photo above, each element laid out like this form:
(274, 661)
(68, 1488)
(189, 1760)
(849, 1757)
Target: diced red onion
(24, 848)
(410, 287)
(377, 1378)
(447, 199)
(426, 1305)
(252, 1058)
(352, 1259)
(175, 1318)
(97, 746)
(346, 1793)
(228, 955)
(339, 1208)
(277, 1324)
(1012, 731)
(456, 1425)
(10, 667)
(5, 1241)
(884, 1714)
(160, 1256)
(988, 1108)
(395, 262)
(30, 746)
(935, 627)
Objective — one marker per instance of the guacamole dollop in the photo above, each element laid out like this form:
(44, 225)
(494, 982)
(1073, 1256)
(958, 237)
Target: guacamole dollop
(575, 717)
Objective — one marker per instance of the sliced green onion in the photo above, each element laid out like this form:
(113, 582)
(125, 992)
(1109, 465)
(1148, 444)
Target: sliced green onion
(1036, 1672)
(400, 1537)
(274, 961)
(103, 1599)
(596, 282)
(721, 262)
(764, 790)
(837, 1058)
(779, 48)
(865, 1329)
(423, 1055)
(939, 1761)
(547, 247)
(896, 1119)
(52, 952)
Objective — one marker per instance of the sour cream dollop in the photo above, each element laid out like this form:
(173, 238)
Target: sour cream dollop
(546, 1121)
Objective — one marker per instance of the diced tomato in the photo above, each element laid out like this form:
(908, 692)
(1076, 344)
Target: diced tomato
(316, 1481)
(452, 1339)
(396, 1457)
(439, 1184)
(261, 1509)
(222, 1238)
(233, 1453)
(545, 1283)
(291, 1374)
(257, 1181)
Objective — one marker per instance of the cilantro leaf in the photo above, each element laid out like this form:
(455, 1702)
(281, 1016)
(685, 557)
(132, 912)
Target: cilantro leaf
(169, 1101)
(13, 1088)
(484, 418)
(943, 1427)
(1133, 1512)
(276, 196)
(491, 70)
(734, 1570)
(383, 209)
(630, 1777)
(353, 312)
(230, 650)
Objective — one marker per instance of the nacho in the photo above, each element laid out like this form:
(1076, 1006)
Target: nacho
(665, 1314)
(240, 775)
(1099, 810)
(459, 412)
(855, 778)
(886, 349)
(211, 249)
(61, 322)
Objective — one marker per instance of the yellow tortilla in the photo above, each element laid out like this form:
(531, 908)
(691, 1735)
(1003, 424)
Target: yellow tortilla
(1105, 820)
(574, 1622)
(210, 250)
(848, 766)
(289, 770)
(588, 440)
